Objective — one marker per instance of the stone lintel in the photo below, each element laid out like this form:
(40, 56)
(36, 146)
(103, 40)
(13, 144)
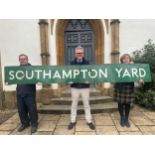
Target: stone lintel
(43, 21)
(113, 53)
(115, 21)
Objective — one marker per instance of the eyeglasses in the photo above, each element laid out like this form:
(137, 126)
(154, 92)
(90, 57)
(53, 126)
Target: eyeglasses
(79, 53)
(22, 58)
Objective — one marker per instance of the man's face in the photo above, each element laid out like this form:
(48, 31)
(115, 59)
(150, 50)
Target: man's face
(23, 60)
(79, 54)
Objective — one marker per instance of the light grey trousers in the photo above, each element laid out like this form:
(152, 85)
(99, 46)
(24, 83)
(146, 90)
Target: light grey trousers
(84, 93)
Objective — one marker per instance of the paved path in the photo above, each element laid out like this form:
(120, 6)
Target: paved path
(6, 114)
(142, 123)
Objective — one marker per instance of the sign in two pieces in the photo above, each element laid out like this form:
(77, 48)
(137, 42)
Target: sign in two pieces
(77, 73)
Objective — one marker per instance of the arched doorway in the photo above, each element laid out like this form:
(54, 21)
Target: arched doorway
(96, 27)
(79, 33)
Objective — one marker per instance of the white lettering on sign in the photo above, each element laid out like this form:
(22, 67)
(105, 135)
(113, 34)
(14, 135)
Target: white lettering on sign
(103, 73)
(142, 72)
(11, 75)
(133, 73)
(20, 75)
(38, 73)
(78, 74)
(92, 73)
(47, 74)
(56, 75)
(119, 72)
(84, 71)
(126, 73)
(29, 75)
(66, 74)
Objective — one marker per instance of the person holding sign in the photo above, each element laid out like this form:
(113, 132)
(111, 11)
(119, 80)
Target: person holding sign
(80, 89)
(26, 101)
(124, 94)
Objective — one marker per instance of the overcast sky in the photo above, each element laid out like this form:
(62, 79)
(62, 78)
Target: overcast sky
(134, 33)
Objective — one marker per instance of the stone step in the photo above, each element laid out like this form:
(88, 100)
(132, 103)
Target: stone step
(65, 109)
(93, 100)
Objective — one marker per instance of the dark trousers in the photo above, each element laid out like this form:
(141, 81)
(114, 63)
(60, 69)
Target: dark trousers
(27, 109)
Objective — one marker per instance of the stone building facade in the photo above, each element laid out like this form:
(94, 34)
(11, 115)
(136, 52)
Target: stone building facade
(52, 42)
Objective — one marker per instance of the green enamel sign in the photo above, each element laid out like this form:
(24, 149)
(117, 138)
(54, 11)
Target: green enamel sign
(77, 73)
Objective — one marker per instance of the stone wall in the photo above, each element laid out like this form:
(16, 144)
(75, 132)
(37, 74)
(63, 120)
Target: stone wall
(43, 96)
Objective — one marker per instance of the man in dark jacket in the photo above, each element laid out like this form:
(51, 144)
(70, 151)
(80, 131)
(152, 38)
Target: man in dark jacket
(80, 89)
(26, 101)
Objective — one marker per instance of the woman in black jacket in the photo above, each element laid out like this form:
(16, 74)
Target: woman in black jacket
(124, 95)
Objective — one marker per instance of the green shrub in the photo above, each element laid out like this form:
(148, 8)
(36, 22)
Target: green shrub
(145, 95)
(145, 99)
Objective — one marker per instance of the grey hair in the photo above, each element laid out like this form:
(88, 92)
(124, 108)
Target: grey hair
(79, 47)
(23, 55)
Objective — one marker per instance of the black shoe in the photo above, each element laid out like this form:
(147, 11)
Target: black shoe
(71, 125)
(122, 122)
(34, 129)
(127, 124)
(23, 127)
(91, 126)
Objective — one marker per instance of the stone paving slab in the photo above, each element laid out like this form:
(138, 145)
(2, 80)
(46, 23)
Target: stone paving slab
(27, 131)
(130, 133)
(115, 115)
(142, 121)
(103, 120)
(47, 126)
(15, 117)
(63, 130)
(139, 109)
(101, 114)
(107, 123)
(82, 126)
(64, 120)
(148, 133)
(136, 113)
(12, 121)
(147, 128)
(6, 114)
(80, 116)
(150, 115)
(7, 127)
(153, 120)
(106, 130)
(50, 117)
(85, 133)
(4, 132)
(43, 133)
